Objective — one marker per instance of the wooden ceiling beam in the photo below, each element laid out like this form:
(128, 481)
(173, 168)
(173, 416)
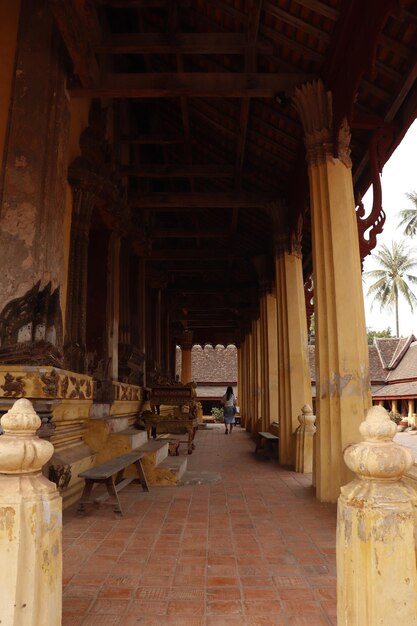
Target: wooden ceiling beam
(288, 18)
(179, 171)
(195, 84)
(200, 200)
(79, 29)
(182, 233)
(193, 255)
(321, 8)
(178, 43)
(154, 139)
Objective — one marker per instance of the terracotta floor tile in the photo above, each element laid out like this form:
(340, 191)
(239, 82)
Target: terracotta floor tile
(262, 607)
(223, 593)
(255, 549)
(110, 606)
(224, 607)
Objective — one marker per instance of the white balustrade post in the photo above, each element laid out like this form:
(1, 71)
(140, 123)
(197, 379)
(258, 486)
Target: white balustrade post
(304, 440)
(30, 525)
(376, 558)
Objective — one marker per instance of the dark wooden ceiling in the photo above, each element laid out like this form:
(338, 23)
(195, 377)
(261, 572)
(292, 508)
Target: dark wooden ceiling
(206, 134)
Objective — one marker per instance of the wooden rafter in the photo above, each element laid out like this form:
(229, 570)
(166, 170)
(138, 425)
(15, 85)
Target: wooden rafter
(199, 200)
(79, 29)
(179, 171)
(203, 85)
(178, 43)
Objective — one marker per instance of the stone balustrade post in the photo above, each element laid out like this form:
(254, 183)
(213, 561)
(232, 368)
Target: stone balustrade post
(304, 440)
(30, 524)
(376, 558)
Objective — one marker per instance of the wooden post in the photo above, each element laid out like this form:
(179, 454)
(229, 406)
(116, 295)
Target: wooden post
(376, 560)
(30, 524)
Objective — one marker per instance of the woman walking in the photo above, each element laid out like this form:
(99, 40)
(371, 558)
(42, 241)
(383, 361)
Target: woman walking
(229, 402)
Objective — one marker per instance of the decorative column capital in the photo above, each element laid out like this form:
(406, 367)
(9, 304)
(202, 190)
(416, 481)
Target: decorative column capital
(284, 240)
(378, 457)
(323, 143)
(21, 451)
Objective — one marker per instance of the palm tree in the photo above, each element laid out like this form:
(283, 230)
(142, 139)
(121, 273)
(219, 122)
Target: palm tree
(408, 217)
(394, 277)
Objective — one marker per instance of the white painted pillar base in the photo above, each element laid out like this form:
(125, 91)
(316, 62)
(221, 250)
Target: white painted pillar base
(376, 559)
(30, 525)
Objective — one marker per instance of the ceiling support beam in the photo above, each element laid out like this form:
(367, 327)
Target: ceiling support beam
(178, 43)
(195, 84)
(200, 200)
(179, 171)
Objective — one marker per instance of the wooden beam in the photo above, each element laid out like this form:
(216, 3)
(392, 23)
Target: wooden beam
(200, 200)
(155, 138)
(181, 233)
(179, 171)
(194, 255)
(289, 18)
(178, 43)
(202, 85)
(79, 28)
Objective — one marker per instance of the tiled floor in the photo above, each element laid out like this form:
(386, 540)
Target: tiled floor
(254, 548)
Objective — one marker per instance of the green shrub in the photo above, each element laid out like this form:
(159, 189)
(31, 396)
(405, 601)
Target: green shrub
(217, 414)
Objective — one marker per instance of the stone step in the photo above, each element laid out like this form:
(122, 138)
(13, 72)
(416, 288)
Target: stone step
(175, 464)
(137, 438)
(160, 448)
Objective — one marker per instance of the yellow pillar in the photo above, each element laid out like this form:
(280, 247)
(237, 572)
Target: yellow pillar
(375, 547)
(343, 387)
(304, 440)
(294, 384)
(394, 406)
(410, 411)
(30, 524)
(268, 345)
(186, 346)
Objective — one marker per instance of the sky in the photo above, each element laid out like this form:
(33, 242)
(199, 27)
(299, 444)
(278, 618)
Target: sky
(399, 176)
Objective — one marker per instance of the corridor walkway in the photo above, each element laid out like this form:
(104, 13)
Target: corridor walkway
(252, 546)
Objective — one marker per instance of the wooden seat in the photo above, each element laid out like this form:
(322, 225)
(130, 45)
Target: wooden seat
(267, 443)
(111, 474)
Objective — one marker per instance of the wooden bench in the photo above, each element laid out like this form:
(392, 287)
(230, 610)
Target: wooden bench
(111, 474)
(268, 443)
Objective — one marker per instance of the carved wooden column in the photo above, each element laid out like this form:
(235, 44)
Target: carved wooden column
(125, 338)
(343, 388)
(76, 316)
(294, 384)
(113, 305)
(376, 524)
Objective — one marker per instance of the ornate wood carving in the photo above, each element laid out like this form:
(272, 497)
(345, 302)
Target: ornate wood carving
(372, 225)
(14, 386)
(31, 328)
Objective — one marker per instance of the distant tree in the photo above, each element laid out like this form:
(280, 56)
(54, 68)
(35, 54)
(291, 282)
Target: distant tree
(383, 334)
(408, 217)
(394, 278)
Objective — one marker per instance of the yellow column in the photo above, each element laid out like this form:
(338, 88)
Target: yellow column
(247, 369)
(30, 524)
(410, 409)
(268, 345)
(394, 406)
(343, 387)
(375, 544)
(258, 380)
(186, 346)
(294, 384)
